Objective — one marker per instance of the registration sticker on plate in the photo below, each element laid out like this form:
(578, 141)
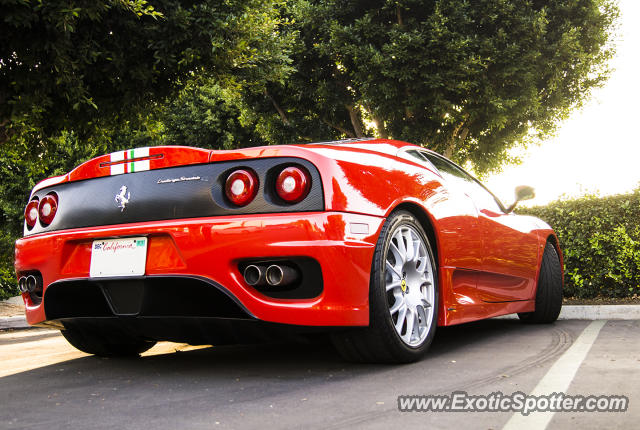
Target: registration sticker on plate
(118, 257)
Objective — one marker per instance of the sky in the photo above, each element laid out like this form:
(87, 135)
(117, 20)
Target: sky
(598, 148)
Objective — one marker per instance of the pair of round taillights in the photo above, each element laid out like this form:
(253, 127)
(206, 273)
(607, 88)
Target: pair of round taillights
(292, 185)
(44, 210)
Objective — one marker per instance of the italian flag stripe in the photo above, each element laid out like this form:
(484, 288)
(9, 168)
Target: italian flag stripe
(132, 165)
(129, 167)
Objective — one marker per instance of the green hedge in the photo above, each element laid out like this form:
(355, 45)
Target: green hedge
(600, 239)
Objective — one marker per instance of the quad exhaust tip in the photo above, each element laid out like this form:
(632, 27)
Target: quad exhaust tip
(29, 284)
(22, 284)
(276, 275)
(254, 275)
(280, 276)
(32, 283)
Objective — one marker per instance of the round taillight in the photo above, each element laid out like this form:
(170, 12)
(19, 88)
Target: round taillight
(241, 187)
(48, 208)
(293, 184)
(31, 213)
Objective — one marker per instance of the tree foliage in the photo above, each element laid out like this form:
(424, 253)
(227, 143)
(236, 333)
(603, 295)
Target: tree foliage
(207, 116)
(86, 65)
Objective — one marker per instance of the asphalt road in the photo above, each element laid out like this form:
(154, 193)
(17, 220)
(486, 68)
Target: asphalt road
(46, 384)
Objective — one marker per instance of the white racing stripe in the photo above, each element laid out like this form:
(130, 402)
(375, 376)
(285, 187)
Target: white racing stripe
(117, 169)
(557, 379)
(136, 166)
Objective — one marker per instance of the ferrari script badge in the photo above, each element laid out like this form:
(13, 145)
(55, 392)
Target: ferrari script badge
(122, 198)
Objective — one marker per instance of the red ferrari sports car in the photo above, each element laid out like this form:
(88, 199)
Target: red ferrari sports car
(375, 241)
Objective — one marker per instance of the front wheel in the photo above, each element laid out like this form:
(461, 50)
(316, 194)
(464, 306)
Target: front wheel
(403, 297)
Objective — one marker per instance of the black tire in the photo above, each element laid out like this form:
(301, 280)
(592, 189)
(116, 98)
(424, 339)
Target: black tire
(549, 291)
(380, 342)
(105, 344)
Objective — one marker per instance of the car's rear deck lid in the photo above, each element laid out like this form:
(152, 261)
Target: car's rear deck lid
(139, 159)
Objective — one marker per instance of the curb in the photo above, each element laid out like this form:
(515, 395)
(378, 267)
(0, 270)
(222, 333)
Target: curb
(569, 312)
(15, 300)
(18, 322)
(594, 312)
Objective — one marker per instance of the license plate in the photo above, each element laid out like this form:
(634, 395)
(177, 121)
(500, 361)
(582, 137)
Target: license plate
(118, 257)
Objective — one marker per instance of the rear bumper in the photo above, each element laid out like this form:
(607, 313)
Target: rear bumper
(212, 248)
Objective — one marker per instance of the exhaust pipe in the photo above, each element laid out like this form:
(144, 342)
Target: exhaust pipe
(22, 284)
(280, 276)
(254, 275)
(31, 284)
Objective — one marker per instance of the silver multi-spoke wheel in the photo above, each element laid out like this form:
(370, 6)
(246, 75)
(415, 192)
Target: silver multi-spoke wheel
(410, 285)
(403, 297)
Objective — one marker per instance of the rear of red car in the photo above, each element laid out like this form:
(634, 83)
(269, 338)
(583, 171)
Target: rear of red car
(194, 245)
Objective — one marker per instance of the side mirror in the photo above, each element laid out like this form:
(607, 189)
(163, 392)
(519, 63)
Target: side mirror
(523, 192)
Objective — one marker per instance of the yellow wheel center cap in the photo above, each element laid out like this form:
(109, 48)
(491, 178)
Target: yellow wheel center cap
(403, 285)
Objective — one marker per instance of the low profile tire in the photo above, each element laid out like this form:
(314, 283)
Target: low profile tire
(549, 291)
(103, 344)
(403, 298)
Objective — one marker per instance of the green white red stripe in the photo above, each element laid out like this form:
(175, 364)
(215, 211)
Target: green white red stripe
(129, 167)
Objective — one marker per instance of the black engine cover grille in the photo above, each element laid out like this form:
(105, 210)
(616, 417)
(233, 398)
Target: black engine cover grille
(173, 193)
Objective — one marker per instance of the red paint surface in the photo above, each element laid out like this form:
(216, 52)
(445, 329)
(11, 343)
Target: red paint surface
(212, 248)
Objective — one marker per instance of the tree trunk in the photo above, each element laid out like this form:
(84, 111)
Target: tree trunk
(355, 121)
(382, 132)
(448, 152)
(283, 117)
(337, 127)
(455, 140)
(407, 112)
(458, 135)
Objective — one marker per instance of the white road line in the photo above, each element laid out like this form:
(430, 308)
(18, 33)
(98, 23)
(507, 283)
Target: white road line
(557, 379)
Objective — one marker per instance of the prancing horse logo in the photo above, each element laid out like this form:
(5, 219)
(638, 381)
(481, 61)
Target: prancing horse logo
(123, 198)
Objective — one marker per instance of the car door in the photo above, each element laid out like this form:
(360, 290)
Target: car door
(509, 246)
